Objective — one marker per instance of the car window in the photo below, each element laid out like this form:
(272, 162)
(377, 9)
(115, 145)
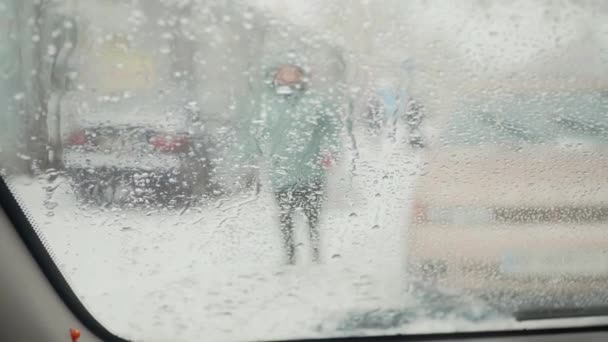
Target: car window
(272, 170)
(532, 118)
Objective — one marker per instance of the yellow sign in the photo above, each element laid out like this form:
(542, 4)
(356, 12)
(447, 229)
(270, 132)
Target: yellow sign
(120, 68)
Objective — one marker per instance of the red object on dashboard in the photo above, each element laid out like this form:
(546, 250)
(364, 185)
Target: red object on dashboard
(74, 334)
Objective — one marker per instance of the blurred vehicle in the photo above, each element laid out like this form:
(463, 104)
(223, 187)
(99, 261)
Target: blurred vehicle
(142, 160)
(514, 195)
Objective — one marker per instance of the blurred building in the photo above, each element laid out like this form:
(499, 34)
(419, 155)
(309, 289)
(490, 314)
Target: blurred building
(61, 59)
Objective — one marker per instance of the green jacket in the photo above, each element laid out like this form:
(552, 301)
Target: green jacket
(292, 133)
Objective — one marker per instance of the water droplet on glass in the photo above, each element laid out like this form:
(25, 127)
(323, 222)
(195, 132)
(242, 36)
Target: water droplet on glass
(50, 205)
(51, 50)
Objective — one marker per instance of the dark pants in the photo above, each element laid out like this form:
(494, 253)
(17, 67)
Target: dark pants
(309, 197)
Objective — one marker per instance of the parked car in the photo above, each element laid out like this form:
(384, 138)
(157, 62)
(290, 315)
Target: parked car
(514, 195)
(137, 161)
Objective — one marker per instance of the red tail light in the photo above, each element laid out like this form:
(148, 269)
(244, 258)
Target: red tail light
(170, 143)
(78, 138)
(419, 213)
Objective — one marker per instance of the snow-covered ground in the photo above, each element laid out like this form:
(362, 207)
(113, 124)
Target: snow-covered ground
(216, 270)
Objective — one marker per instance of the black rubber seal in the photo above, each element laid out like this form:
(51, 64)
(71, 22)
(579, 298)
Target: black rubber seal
(31, 240)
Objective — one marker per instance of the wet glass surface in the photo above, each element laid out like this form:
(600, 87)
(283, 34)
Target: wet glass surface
(268, 170)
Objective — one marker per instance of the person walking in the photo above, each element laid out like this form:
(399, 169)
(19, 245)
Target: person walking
(297, 136)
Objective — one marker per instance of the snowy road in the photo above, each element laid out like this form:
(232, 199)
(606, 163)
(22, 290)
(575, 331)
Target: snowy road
(216, 271)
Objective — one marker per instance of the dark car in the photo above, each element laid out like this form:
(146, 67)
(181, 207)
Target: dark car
(109, 162)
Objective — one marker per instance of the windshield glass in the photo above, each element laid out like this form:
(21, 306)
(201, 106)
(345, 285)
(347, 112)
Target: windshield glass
(272, 170)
